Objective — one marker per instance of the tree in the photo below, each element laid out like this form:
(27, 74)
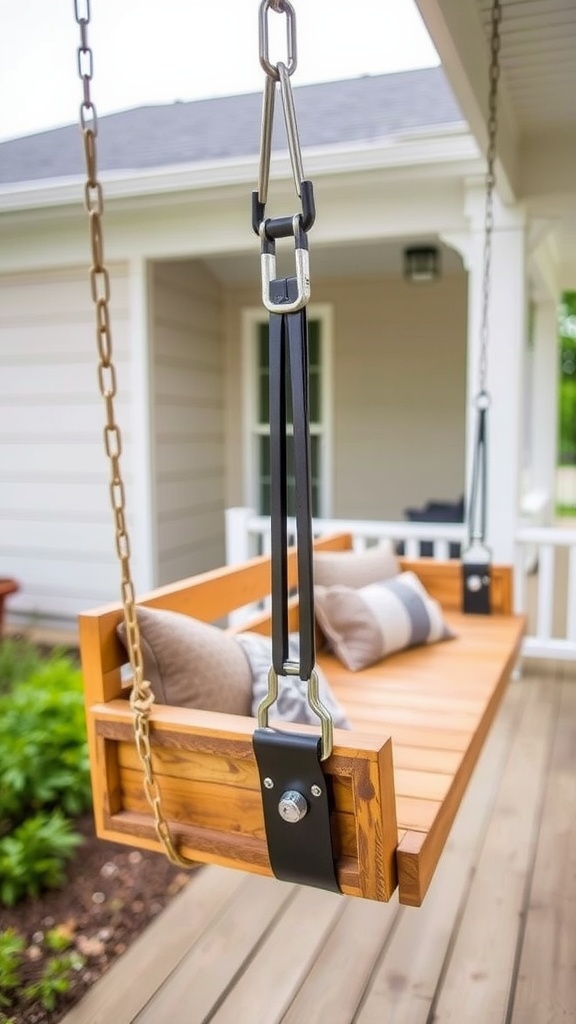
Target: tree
(567, 416)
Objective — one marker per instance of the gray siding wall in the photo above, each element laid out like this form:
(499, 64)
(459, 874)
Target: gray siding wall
(399, 392)
(56, 533)
(188, 419)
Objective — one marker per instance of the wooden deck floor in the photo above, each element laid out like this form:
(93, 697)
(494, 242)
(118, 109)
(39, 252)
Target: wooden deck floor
(495, 940)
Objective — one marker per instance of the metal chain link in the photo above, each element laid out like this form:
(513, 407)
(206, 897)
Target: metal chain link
(496, 19)
(141, 697)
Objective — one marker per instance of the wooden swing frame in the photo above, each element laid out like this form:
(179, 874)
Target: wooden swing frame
(420, 718)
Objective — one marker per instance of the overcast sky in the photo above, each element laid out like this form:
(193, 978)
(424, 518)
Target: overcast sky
(158, 51)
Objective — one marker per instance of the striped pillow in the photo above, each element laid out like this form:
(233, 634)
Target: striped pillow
(365, 625)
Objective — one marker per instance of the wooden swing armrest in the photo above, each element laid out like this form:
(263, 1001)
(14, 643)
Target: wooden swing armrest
(205, 767)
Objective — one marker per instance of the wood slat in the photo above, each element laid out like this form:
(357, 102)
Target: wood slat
(223, 951)
(338, 977)
(278, 968)
(404, 985)
(546, 985)
(488, 931)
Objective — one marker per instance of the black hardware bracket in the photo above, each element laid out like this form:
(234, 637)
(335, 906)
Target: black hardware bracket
(300, 850)
(476, 585)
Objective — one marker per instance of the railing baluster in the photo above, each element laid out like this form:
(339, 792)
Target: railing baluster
(441, 550)
(571, 600)
(545, 607)
(541, 544)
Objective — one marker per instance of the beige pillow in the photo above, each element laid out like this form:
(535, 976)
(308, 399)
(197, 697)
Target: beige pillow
(365, 625)
(355, 568)
(192, 664)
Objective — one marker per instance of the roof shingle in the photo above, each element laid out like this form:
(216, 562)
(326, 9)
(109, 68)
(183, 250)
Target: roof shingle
(355, 110)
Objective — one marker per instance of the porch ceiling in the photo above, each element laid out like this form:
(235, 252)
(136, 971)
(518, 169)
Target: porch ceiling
(538, 56)
(537, 88)
(537, 112)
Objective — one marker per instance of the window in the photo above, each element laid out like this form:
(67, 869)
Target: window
(258, 446)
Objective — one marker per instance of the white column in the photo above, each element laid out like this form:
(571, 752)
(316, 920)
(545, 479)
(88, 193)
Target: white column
(544, 426)
(141, 495)
(505, 375)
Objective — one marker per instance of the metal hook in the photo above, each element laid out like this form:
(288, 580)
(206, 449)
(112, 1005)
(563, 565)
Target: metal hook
(281, 7)
(314, 701)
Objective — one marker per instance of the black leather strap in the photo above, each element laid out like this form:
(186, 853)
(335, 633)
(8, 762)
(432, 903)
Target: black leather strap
(476, 581)
(288, 364)
(477, 507)
(476, 568)
(300, 851)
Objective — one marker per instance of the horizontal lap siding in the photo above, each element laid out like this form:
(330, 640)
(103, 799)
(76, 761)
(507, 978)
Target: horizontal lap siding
(188, 396)
(56, 532)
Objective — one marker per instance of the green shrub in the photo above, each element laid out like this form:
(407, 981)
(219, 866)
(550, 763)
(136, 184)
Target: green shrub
(44, 770)
(11, 955)
(55, 978)
(33, 856)
(19, 659)
(43, 750)
(54, 981)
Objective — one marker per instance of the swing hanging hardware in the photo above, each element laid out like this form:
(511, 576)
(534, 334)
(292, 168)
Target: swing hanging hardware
(285, 295)
(280, 73)
(327, 728)
(141, 696)
(298, 828)
(296, 795)
(477, 556)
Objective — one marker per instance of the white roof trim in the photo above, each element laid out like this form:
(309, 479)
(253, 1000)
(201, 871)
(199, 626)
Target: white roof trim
(413, 151)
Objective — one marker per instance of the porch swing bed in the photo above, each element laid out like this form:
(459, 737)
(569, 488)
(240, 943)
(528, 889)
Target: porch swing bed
(363, 810)
(419, 719)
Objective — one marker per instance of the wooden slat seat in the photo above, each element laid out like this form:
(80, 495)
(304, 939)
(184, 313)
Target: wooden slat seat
(419, 722)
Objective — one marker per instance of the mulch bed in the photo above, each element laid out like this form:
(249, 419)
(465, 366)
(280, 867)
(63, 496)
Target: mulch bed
(112, 892)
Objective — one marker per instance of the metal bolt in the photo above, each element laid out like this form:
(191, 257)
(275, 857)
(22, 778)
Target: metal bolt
(474, 584)
(316, 791)
(293, 806)
(269, 783)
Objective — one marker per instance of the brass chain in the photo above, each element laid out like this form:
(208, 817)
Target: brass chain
(141, 696)
(496, 18)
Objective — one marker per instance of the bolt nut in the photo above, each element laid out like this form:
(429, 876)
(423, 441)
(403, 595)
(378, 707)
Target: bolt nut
(293, 806)
(316, 791)
(268, 783)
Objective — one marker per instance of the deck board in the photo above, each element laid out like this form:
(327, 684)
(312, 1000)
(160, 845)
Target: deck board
(479, 977)
(214, 962)
(404, 986)
(252, 949)
(546, 985)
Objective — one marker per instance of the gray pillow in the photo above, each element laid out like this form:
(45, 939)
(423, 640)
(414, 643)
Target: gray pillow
(292, 704)
(355, 568)
(192, 664)
(365, 625)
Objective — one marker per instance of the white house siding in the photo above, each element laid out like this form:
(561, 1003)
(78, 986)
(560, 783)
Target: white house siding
(56, 534)
(399, 379)
(188, 419)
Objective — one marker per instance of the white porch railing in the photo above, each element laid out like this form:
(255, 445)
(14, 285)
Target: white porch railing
(549, 594)
(545, 567)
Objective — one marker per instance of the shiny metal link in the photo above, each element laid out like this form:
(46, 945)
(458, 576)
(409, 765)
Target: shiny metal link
(292, 135)
(280, 7)
(302, 266)
(326, 724)
(291, 128)
(141, 697)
